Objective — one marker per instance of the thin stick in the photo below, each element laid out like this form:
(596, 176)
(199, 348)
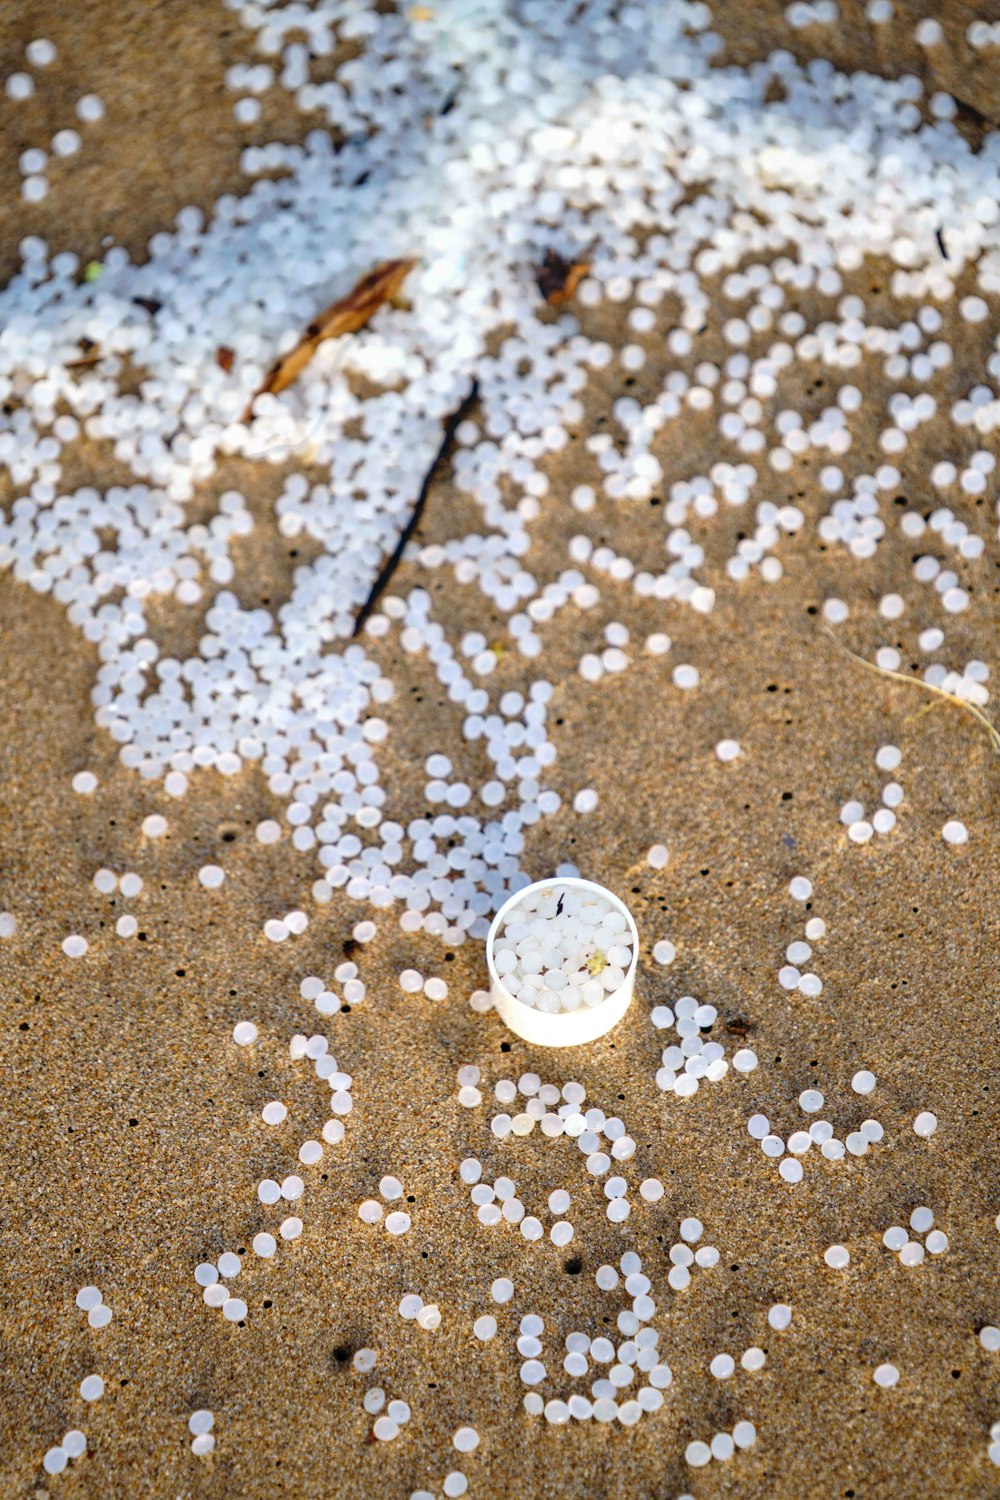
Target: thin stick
(928, 687)
(392, 561)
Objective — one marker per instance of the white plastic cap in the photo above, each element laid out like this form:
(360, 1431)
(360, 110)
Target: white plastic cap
(562, 1028)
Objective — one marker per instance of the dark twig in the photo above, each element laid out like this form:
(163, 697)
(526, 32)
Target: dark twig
(392, 561)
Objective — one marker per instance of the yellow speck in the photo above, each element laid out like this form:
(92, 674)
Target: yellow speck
(596, 963)
(421, 13)
(92, 270)
(498, 648)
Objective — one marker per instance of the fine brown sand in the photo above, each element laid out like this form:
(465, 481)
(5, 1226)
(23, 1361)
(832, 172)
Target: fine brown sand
(131, 1129)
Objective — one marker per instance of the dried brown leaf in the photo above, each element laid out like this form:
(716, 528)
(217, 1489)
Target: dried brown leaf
(347, 315)
(558, 278)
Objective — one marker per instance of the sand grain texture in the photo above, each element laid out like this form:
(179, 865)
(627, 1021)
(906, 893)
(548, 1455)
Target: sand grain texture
(131, 1124)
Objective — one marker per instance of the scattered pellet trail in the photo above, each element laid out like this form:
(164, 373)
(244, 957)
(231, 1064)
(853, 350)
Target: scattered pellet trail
(230, 702)
(74, 1442)
(37, 163)
(628, 1373)
(218, 1278)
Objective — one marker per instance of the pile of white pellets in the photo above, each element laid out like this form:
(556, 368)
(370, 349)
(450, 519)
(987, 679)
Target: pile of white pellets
(563, 948)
